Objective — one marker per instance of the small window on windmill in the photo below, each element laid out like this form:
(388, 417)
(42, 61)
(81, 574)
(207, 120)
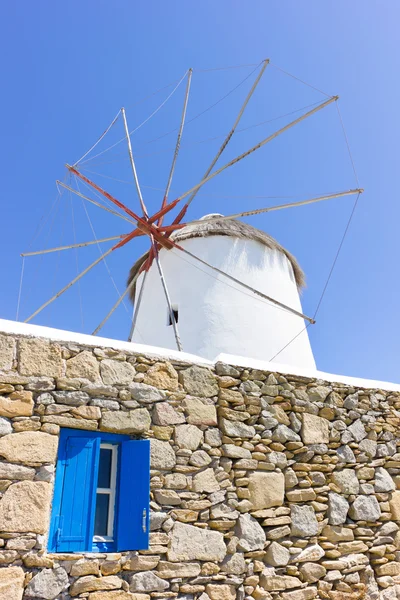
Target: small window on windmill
(175, 312)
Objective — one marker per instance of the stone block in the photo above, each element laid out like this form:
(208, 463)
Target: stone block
(90, 583)
(192, 543)
(308, 593)
(199, 412)
(16, 472)
(17, 404)
(234, 564)
(304, 522)
(213, 437)
(199, 381)
(7, 345)
(284, 434)
(176, 481)
(391, 569)
(11, 583)
(369, 447)
(232, 451)
(97, 388)
(117, 595)
(312, 572)
(220, 591)
(188, 436)
(164, 414)
(347, 481)
(47, 584)
(25, 507)
(116, 372)
(162, 455)
(365, 508)
(357, 430)
(147, 582)
(168, 497)
(87, 424)
(200, 458)
(395, 505)
(266, 490)
(87, 412)
(33, 559)
(5, 426)
(383, 481)
(146, 394)
(338, 509)
(250, 534)
(29, 447)
(163, 376)
(131, 421)
(39, 357)
(314, 430)
(310, 553)
(301, 495)
(205, 481)
(170, 570)
(142, 563)
(84, 567)
(162, 433)
(277, 555)
(71, 397)
(337, 534)
(277, 583)
(83, 366)
(318, 393)
(235, 429)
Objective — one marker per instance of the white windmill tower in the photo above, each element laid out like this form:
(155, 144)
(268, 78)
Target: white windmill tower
(212, 286)
(215, 314)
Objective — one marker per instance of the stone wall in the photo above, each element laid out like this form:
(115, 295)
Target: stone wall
(263, 485)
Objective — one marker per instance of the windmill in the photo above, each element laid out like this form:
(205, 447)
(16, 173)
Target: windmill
(164, 232)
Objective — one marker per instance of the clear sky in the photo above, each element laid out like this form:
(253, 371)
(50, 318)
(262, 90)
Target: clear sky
(67, 68)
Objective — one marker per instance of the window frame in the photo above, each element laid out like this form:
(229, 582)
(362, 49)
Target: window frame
(113, 439)
(111, 492)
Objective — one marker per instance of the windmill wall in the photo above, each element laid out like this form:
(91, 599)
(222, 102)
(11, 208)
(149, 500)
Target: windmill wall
(217, 315)
(264, 485)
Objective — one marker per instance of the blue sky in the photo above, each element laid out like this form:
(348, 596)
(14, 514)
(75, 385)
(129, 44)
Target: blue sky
(68, 68)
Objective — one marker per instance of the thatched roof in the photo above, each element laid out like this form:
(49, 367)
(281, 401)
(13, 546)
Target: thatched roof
(231, 228)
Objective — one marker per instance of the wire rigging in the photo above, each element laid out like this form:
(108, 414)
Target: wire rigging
(36, 272)
(143, 122)
(20, 288)
(39, 228)
(336, 257)
(100, 251)
(300, 80)
(43, 220)
(100, 138)
(347, 143)
(57, 266)
(205, 140)
(208, 108)
(77, 261)
(226, 68)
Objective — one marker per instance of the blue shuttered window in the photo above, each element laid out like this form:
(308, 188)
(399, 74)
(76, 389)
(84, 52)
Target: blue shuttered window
(134, 491)
(90, 499)
(74, 522)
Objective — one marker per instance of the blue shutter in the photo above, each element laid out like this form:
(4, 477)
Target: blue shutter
(134, 496)
(75, 495)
